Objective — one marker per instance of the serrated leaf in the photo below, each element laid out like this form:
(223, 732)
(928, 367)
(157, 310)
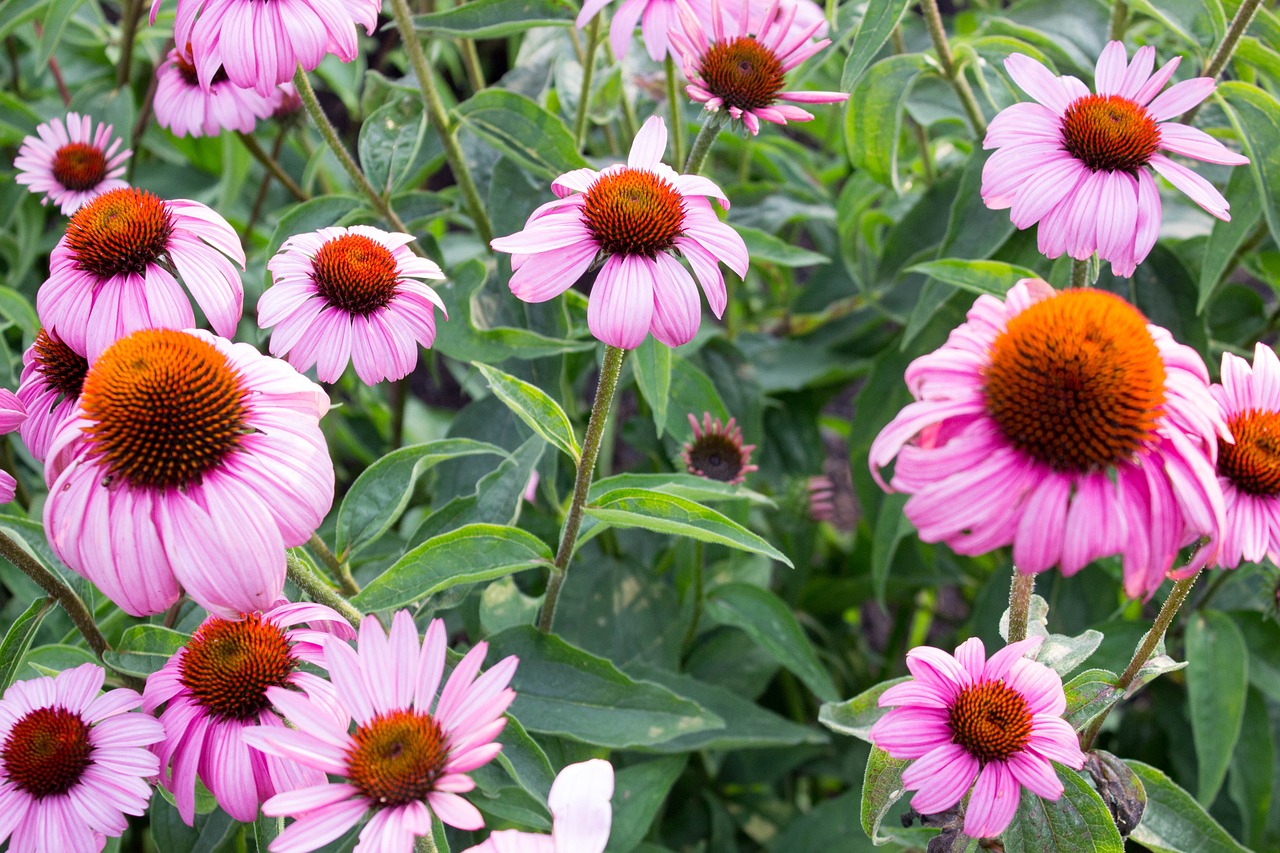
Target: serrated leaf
(496, 18)
(1217, 685)
(535, 407)
(873, 116)
(651, 364)
(17, 640)
(877, 24)
(1078, 820)
(855, 717)
(526, 133)
(1174, 822)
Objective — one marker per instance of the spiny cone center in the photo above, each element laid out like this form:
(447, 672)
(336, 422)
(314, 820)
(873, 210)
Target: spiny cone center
(78, 166)
(47, 751)
(716, 456)
(1110, 133)
(1076, 381)
(355, 274)
(633, 212)
(61, 366)
(743, 73)
(228, 665)
(1253, 462)
(119, 232)
(166, 408)
(397, 757)
(990, 720)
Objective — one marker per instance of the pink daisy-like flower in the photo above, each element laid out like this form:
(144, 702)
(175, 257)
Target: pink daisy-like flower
(581, 813)
(745, 74)
(112, 272)
(350, 295)
(216, 685)
(190, 463)
(1076, 161)
(13, 413)
(1066, 425)
(967, 718)
(636, 217)
(717, 452)
(52, 376)
(188, 109)
(74, 762)
(660, 19)
(409, 755)
(71, 163)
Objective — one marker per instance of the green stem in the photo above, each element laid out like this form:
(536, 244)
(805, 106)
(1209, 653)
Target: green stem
(426, 843)
(702, 143)
(1020, 604)
(1119, 19)
(933, 19)
(315, 586)
(269, 163)
(128, 32)
(338, 568)
(674, 104)
(1079, 273)
(588, 71)
(57, 590)
(1239, 23)
(471, 61)
(261, 198)
(922, 135)
(609, 373)
(698, 584)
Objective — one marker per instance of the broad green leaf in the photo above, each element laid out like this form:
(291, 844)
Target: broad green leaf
(683, 485)
(1174, 822)
(497, 497)
(389, 142)
(1198, 22)
(144, 649)
(763, 246)
(877, 24)
(892, 526)
(881, 788)
(1063, 654)
(311, 215)
(993, 277)
(1251, 782)
(51, 660)
(1217, 682)
(856, 716)
(16, 307)
(265, 830)
(496, 18)
(476, 552)
(533, 406)
(1089, 694)
(523, 131)
(873, 116)
(1256, 116)
(524, 760)
(17, 640)
(55, 22)
(651, 364)
(1078, 820)
(639, 792)
(1226, 238)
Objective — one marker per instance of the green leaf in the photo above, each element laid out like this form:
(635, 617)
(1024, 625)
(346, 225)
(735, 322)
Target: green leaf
(1174, 822)
(892, 526)
(873, 116)
(1158, 664)
(638, 794)
(881, 788)
(144, 649)
(1256, 116)
(497, 497)
(1199, 22)
(993, 277)
(651, 364)
(523, 131)
(470, 554)
(877, 24)
(689, 486)
(1226, 238)
(55, 22)
(1063, 654)
(1078, 820)
(496, 18)
(1252, 766)
(17, 308)
(1217, 681)
(389, 142)
(17, 640)
(855, 717)
(763, 246)
(309, 216)
(533, 406)
(1089, 694)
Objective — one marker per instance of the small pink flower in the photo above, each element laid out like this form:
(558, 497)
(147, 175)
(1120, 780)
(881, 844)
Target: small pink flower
(967, 718)
(717, 452)
(580, 810)
(188, 109)
(409, 755)
(350, 295)
(745, 73)
(112, 273)
(71, 164)
(74, 762)
(636, 217)
(52, 377)
(1076, 162)
(13, 413)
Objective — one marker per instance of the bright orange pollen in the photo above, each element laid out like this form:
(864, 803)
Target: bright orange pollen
(228, 665)
(1253, 462)
(1110, 133)
(355, 274)
(119, 232)
(991, 720)
(1076, 381)
(47, 751)
(166, 408)
(61, 366)
(743, 73)
(633, 212)
(397, 758)
(78, 166)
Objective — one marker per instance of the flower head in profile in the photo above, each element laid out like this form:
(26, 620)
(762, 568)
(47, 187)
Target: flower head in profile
(350, 295)
(1066, 425)
(969, 723)
(71, 163)
(189, 462)
(410, 753)
(188, 109)
(1077, 161)
(216, 685)
(580, 811)
(112, 273)
(52, 377)
(822, 494)
(717, 452)
(744, 71)
(73, 761)
(635, 217)
(13, 413)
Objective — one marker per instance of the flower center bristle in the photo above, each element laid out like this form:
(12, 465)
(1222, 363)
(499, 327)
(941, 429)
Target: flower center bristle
(633, 212)
(61, 366)
(78, 166)
(1076, 381)
(716, 456)
(1110, 133)
(228, 665)
(397, 757)
(1253, 462)
(119, 232)
(990, 720)
(47, 751)
(355, 273)
(743, 73)
(167, 407)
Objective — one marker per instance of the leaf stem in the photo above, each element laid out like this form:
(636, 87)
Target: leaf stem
(58, 590)
(1119, 19)
(339, 569)
(269, 163)
(1020, 604)
(1079, 273)
(702, 144)
(588, 71)
(673, 106)
(315, 586)
(933, 19)
(128, 32)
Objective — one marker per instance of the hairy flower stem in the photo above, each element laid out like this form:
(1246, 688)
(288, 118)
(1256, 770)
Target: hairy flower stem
(1079, 273)
(1119, 19)
(1218, 61)
(673, 106)
(588, 71)
(338, 568)
(933, 18)
(305, 578)
(609, 373)
(1020, 604)
(128, 31)
(269, 163)
(58, 590)
(702, 143)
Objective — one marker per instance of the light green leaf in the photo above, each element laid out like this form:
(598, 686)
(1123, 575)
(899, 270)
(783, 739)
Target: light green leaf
(1199, 22)
(878, 23)
(523, 131)
(1256, 116)
(496, 18)
(855, 717)
(1174, 822)
(873, 116)
(881, 788)
(18, 639)
(533, 406)
(144, 649)
(651, 364)
(1226, 238)
(1217, 684)
(993, 277)
(1078, 820)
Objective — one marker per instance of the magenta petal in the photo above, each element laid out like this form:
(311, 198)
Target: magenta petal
(993, 803)
(620, 310)
(941, 778)
(1035, 774)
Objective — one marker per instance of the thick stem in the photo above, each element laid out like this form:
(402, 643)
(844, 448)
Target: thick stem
(128, 31)
(336, 567)
(315, 586)
(609, 373)
(674, 104)
(588, 71)
(1020, 604)
(933, 18)
(702, 144)
(57, 590)
(1079, 273)
(269, 163)
(1119, 19)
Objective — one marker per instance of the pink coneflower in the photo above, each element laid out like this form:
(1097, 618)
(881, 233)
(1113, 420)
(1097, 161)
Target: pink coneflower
(636, 217)
(659, 21)
(822, 492)
(350, 295)
(74, 762)
(717, 452)
(580, 811)
(966, 718)
(192, 462)
(1076, 161)
(745, 74)
(406, 759)
(188, 109)
(1063, 424)
(13, 413)
(112, 273)
(71, 163)
(52, 376)
(216, 685)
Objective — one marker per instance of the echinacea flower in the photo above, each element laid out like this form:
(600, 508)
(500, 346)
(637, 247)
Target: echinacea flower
(717, 452)
(822, 505)
(189, 109)
(71, 163)
(658, 19)
(969, 723)
(1077, 161)
(74, 762)
(216, 686)
(112, 272)
(636, 217)
(354, 295)
(52, 376)
(1065, 424)
(743, 72)
(13, 413)
(409, 755)
(580, 811)
(190, 463)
